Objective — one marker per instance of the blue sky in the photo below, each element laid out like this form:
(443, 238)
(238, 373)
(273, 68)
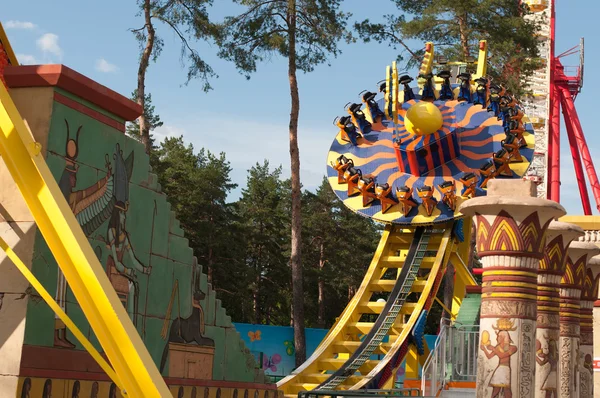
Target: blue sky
(248, 119)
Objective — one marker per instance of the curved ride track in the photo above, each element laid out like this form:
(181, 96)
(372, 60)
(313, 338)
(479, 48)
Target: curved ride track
(409, 164)
(390, 267)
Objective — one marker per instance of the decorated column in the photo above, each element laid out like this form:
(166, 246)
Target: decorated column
(588, 296)
(594, 264)
(570, 305)
(552, 267)
(510, 242)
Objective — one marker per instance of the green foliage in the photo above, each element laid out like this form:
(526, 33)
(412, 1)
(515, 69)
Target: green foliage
(153, 121)
(264, 30)
(265, 224)
(456, 26)
(343, 243)
(244, 246)
(197, 185)
(189, 20)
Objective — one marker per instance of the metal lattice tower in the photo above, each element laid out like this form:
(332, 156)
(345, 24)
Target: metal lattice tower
(537, 105)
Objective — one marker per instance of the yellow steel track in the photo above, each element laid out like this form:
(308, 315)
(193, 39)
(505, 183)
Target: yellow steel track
(358, 318)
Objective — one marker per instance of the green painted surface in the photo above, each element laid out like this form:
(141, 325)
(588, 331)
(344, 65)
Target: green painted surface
(469, 310)
(159, 277)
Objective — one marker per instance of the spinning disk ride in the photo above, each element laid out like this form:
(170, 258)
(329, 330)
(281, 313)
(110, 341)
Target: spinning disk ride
(408, 160)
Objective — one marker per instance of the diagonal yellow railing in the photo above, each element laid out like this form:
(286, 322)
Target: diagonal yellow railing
(84, 273)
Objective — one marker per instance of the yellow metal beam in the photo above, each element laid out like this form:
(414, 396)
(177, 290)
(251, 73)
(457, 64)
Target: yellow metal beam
(12, 58)
(59, 311)
(428, 59)
(482, 60)
(452, 315)
(84, 273)
(588, 223)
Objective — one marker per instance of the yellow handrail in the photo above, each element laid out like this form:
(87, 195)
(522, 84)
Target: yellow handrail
(35, 283)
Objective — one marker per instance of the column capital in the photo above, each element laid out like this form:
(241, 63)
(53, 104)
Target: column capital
(559, 236)
(577, 256)
(511, 226)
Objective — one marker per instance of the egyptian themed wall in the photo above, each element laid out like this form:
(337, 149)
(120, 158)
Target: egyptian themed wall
(105, 178)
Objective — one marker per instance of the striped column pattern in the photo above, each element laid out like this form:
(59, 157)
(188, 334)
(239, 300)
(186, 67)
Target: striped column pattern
(510, 241)
(570, 304)
(589, 295)
(552, 267)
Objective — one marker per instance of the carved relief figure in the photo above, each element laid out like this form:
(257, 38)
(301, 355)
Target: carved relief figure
(91, 206)
(26, 389)
(504, 349)
(588, 364)
(576, 367)
(76, 389)
(189, 330)
(551, 359)
(122, 262)
(95, 390)
(47, 391)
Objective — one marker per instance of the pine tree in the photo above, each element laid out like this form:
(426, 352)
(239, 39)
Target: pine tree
(305, 32)
(197, 185)
(456, 26)
(266, 229)
(189, 20)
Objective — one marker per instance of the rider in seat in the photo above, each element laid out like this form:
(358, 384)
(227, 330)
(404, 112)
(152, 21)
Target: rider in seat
(469, 181)
(404, 195)
(385, 197)
(366, 185)
(494, 105)
(488, 171)
(352, 175)
(429, 202)
(481, 92)
(502, 160)
(369, 100)
(359, 118)
(446, 92)
(408, 92)
(428, 88)
(464, 93)
(448, 190)
(342, 163)
(512, 145)
(517, 129)
(347, 129)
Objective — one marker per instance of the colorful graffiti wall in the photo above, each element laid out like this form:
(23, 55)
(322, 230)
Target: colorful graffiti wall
(105, 179)
(273, 347)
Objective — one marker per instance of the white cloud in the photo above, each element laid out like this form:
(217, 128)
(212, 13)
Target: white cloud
(19, 25)
(48, 43)
(104, 66)
(167, 131)
(27, 59)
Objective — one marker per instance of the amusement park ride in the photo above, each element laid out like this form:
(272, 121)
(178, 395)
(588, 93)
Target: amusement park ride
(408, 159)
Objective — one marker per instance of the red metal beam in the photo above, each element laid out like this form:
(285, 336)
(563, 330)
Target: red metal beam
(579, 150)
(553, 163)
(553, 188)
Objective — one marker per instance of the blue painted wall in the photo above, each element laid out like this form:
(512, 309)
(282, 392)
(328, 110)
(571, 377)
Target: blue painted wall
(273, 346)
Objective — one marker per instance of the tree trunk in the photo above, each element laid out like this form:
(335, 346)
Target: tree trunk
(141, 86)
(321, 286)
(448, 289)
(464, 35)
(210, 260)
(296, 258)
(256, 299)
